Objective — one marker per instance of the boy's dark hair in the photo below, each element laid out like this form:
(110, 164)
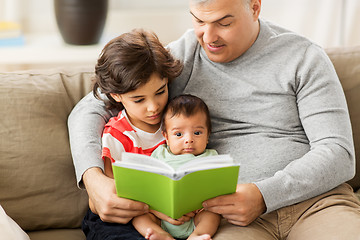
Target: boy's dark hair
(187, 105)
(128, 61)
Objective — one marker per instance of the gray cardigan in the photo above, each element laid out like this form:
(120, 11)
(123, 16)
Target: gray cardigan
(278, 109)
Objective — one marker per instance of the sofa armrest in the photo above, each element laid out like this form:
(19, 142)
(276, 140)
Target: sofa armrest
(347, 65)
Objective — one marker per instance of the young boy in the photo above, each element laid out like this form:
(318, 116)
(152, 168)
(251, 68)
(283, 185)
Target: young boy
(186, 127)
(133, 71)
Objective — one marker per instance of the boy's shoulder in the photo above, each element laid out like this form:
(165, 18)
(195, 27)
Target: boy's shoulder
(118, 123)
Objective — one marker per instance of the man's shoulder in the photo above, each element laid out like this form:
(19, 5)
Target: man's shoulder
(288, 37)
(185, 45)
(188, 37)
(286, 41)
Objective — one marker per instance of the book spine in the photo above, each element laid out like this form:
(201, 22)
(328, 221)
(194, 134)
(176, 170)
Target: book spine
(173, 197)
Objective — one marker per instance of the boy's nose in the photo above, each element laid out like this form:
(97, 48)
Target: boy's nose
(153, 107)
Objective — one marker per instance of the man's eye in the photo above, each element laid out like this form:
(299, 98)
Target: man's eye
(225, 25)
(178, 134)
(199, 21)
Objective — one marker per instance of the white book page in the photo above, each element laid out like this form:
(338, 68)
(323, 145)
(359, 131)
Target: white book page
(210, 162)
(153, 169)
(150, 164)
(143, 162)
(204, 163)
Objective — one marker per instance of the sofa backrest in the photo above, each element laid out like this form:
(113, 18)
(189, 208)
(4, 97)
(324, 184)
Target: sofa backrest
(37, 179)
(347, 66)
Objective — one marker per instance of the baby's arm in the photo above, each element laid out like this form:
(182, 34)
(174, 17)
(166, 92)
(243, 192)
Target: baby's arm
(206, 223)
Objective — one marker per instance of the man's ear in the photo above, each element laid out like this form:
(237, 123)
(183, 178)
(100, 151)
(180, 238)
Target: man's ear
(116, 97)
(256, 7)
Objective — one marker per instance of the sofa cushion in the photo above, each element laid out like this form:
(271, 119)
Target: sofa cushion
(57, 234)
(347, 65)
(37, 180)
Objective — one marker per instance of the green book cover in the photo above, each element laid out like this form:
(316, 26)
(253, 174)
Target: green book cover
(174, 193)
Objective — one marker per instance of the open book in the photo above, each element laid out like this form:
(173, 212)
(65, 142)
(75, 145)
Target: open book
(174, 193)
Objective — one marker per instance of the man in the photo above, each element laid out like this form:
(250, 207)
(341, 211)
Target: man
(277, 107)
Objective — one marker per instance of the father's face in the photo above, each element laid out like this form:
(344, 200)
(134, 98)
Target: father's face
(225, 28)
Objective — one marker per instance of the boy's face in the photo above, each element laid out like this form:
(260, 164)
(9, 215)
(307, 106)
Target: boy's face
(144, 106)
(186, 134)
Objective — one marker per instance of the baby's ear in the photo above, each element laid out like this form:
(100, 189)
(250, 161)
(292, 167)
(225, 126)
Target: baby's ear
(164, 133)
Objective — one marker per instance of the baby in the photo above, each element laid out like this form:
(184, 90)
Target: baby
(186, 127)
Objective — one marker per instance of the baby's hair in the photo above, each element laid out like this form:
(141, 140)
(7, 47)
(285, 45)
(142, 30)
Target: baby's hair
(128, 61)
(187, 105)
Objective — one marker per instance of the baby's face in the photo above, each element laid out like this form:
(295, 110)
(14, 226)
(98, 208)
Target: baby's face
(186, 135)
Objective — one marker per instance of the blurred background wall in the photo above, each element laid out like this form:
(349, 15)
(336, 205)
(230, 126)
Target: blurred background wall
(329, 23)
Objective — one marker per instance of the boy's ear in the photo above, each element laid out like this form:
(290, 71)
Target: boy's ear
(116, 97)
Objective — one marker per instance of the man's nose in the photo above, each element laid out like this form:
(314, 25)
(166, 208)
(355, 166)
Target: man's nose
(210, 35)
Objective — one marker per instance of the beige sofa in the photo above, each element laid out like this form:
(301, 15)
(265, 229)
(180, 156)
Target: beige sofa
(37, 180)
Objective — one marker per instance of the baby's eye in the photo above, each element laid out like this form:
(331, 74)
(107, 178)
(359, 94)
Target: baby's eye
(197, 132)
(178, 134)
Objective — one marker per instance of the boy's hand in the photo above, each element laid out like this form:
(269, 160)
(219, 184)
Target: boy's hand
(179, 221)
(187, 217)
(105, 202)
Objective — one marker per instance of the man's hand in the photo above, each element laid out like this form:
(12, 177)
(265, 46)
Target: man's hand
(240, 208)
(105, 202)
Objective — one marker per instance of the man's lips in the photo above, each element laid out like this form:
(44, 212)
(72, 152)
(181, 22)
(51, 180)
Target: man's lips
(215, 47)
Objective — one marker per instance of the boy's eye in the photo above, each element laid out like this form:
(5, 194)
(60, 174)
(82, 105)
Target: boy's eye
(139, 100)
(178, 134)
(161, 92)
(197, 133)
